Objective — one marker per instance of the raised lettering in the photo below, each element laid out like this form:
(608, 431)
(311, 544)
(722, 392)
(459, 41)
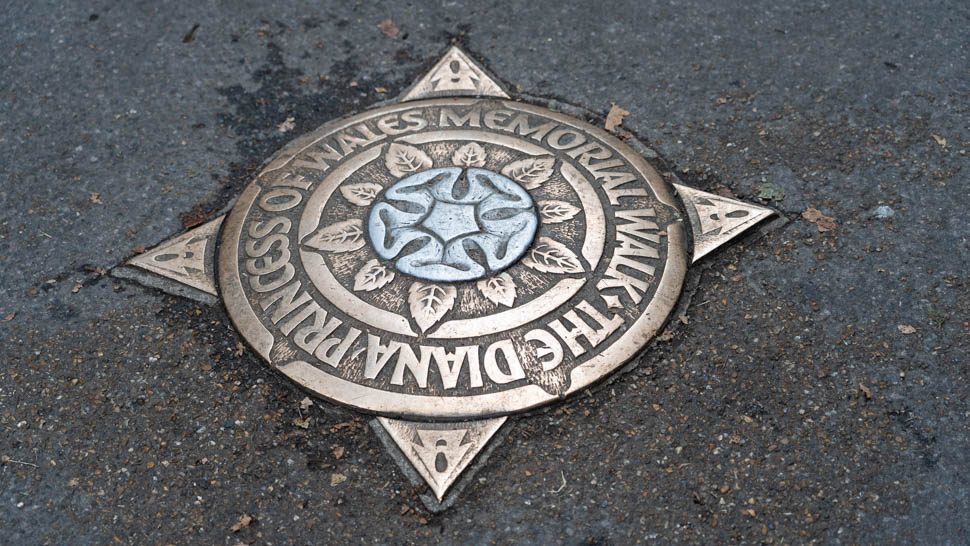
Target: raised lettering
(562, 139)
(259, 266)
(627, 248)
(368, 134)
(262, 229)
(492, 368)
(520, 125)
(614, 278)
(310, 337)
(317, 157)
(332, 350)
(548, 346)
(280, 199)
(581, 328)
(348, 143)
(294, 181)
(414, 119)
(450, 365)
(259, 247)
(611, 180)
(593, 150)
(377, 355)
(449, 118)
(288, 301)
(406, 359)
(289, 324)
(637, 224)
(385, 126)
(256, 282)
(495, 119)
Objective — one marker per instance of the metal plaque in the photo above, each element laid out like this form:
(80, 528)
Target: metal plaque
(453, 258)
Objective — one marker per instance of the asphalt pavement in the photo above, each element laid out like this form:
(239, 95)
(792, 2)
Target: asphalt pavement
(814, 388)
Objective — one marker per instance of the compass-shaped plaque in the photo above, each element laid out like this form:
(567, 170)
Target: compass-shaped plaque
(451, 259)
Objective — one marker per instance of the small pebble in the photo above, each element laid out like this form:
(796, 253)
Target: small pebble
(883, 211)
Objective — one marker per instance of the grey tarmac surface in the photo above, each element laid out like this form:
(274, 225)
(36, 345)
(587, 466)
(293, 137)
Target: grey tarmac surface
(792, 407)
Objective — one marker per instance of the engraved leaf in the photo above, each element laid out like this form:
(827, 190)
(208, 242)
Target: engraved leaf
(469, 155)
(430, 302)
(499, 289)
(554, 212)
(530, 172)
(372, 276)
(340, 237)
(402, 159)
(361, 194)
(549, 256)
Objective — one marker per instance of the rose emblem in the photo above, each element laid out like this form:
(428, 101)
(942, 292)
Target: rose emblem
(453, 224)
(450, 224)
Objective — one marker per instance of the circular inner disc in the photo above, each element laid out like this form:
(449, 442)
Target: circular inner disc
(452, 258)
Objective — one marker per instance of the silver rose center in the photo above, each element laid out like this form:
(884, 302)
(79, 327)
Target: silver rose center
(451, 224)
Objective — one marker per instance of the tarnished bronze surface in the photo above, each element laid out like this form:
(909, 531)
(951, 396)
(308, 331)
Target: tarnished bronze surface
(186, 258)
(452, 258)
(439, 452)
(716, 219)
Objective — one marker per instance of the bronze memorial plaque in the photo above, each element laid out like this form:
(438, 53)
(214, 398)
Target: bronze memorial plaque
(450, 259)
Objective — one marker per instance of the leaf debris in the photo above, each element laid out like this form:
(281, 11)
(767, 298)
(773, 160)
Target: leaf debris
(771, 192)
(287, 125)
(389, 28)
(824, 223)
(244, 521)
(615, 117)
(190, 35)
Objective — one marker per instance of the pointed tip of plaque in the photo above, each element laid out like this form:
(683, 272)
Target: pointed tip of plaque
(441, 452)
(186, 259)
(456, 74)
(715, 219)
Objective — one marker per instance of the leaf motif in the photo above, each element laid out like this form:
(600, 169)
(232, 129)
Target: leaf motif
(469, 155)
(549, 256)
(340, 237)
(530, 172)
(554, 212)
(372, 276)
(499, 289)
(402, 159)
(430, 302)
(361, 194)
